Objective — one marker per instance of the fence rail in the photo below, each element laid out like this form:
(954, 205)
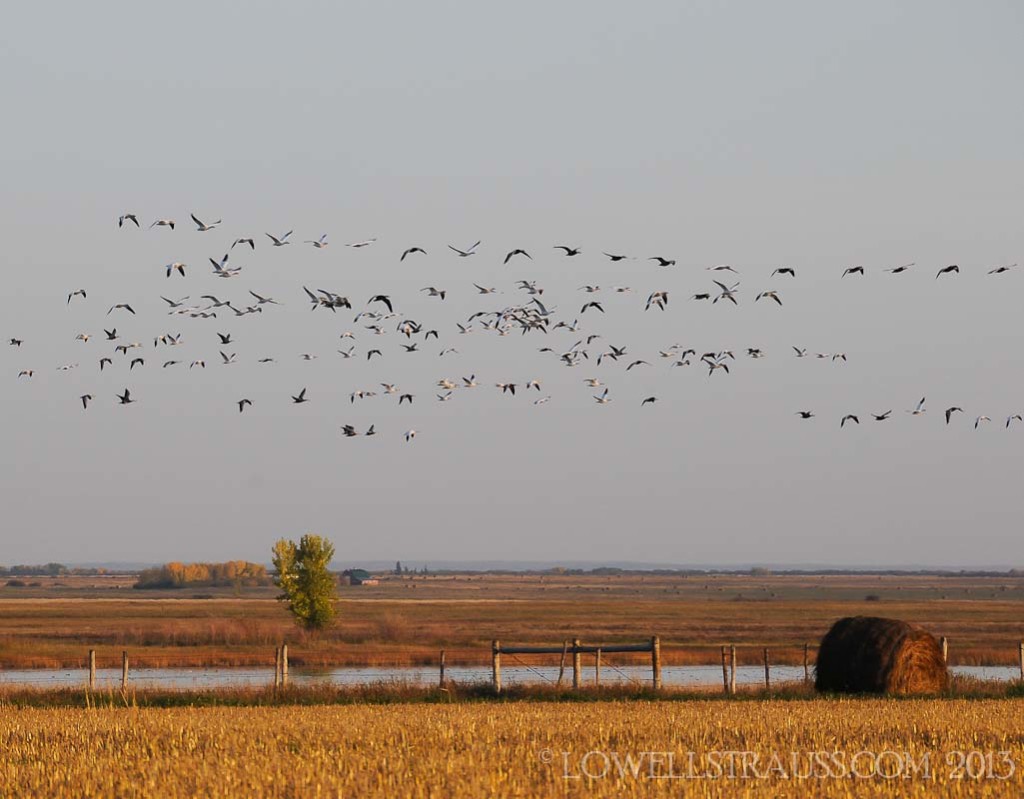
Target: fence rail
(571, 651)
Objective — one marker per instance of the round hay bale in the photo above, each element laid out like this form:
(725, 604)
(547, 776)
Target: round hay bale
(865, 654)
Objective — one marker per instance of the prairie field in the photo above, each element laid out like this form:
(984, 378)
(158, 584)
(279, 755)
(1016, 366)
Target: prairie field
(406, 620)
(828, 748)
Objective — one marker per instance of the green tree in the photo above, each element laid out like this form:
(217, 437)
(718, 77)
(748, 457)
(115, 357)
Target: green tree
(307, 585)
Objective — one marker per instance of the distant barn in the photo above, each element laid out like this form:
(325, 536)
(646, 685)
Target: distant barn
(361, 577)
(865, 654)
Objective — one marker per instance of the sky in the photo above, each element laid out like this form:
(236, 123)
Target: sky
(811, 135)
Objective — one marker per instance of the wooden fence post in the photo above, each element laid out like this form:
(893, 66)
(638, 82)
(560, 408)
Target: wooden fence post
(1020, 655)
(807, 666)
(944, 643)
(597, 668)
(767, 677)
(576, 667)
(496, 665)
(284, 665)
(124, 670)
(277, 667)
(561, 664)
(92, 669)
(732, 670)
(442, 668)
(656, 662)
(725, 670)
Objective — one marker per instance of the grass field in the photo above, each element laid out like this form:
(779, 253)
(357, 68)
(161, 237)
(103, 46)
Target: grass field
(406, 621)
(609, 749)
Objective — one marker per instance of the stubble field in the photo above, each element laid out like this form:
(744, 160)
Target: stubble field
(825, 748)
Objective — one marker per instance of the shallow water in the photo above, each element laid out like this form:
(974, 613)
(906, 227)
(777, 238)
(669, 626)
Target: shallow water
(698, 676)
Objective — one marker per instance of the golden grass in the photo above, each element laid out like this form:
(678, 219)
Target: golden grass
(498, 750)
(406, 622)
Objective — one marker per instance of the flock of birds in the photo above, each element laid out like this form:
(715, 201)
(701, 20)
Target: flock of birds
(531, 315)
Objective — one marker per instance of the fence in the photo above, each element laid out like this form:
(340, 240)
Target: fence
(572, 652)
(577, 649)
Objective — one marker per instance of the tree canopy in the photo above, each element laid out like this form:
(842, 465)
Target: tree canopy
(305, 581)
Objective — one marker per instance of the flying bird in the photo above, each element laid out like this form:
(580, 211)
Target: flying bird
(301, 397)
(129, 217)
(279, 242)
(659, 298)
(201, 226)
(242, 403)
(515, 252)
(849, 418)
(951, 411)
(466, 252)
(410, 251)
(947, 270)
(382, 298)
(320, 243)
(854, 270)
(569, 251)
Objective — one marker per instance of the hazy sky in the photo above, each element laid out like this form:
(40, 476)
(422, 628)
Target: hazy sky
(814, 135)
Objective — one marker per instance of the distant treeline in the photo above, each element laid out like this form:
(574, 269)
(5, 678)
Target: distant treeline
(45, 570)
(181, 575)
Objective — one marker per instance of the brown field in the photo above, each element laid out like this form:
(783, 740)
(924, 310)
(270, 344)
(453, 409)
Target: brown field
(869, 748)
(406, 621)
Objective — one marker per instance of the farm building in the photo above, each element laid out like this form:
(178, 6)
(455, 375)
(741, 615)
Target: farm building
(361, 577)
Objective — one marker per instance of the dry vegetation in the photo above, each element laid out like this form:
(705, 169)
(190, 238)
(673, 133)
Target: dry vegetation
(406, 621)
(495, 750)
